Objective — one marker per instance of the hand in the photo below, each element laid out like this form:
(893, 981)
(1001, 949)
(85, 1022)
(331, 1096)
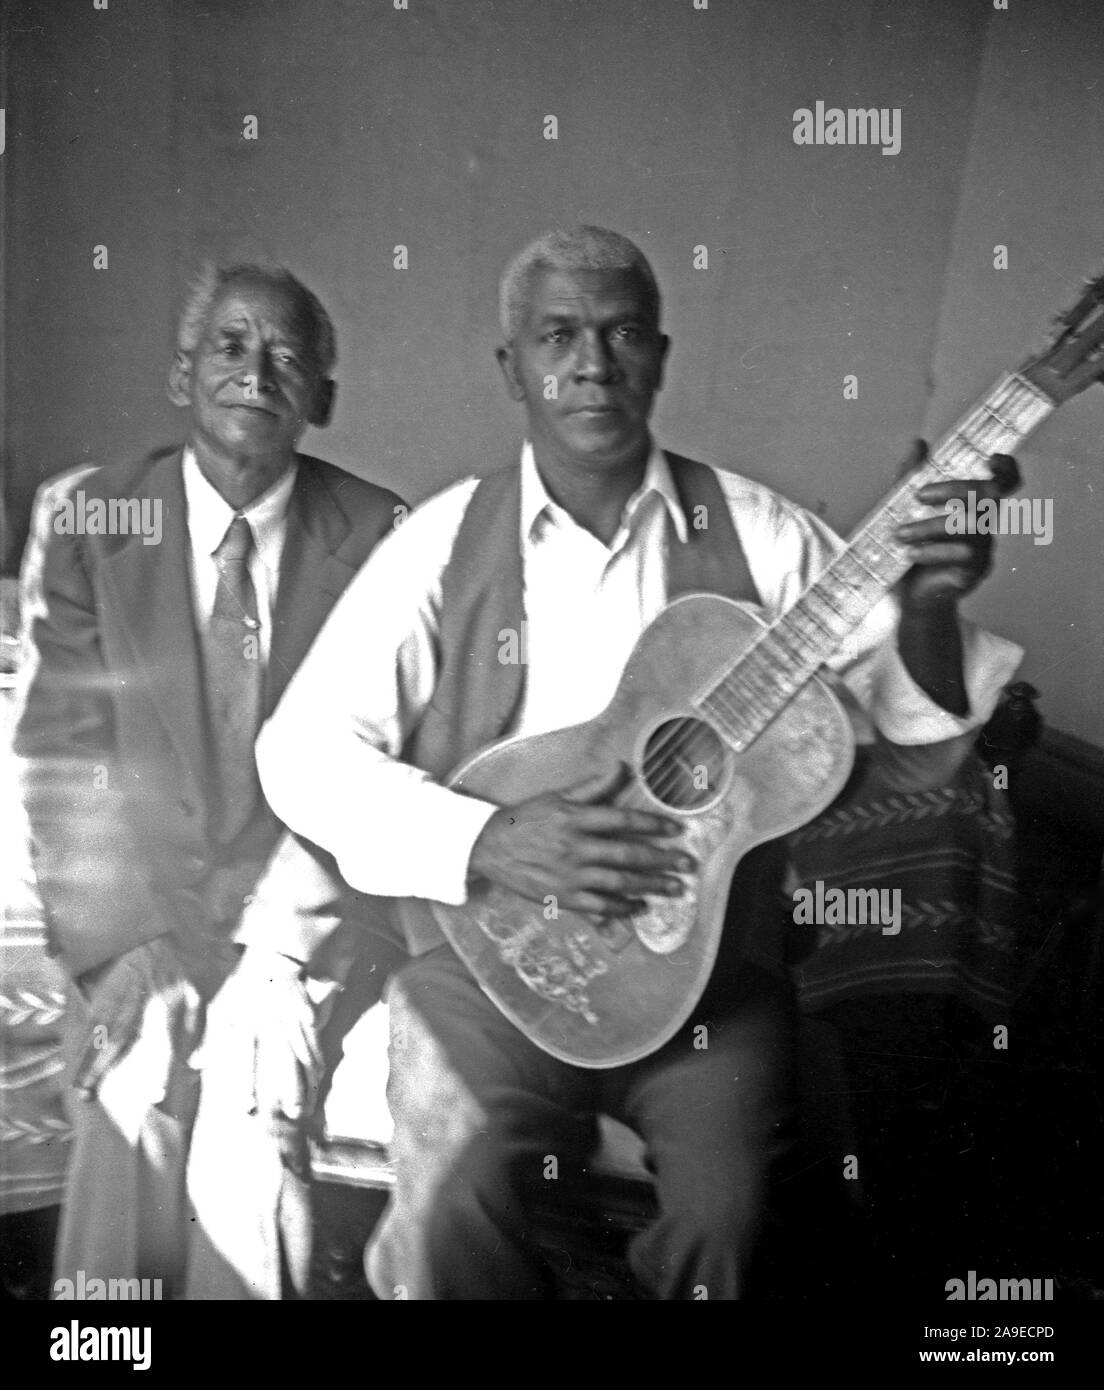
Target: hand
(589, 855)
(947, 567)
(120, 1002)
(262, 1041)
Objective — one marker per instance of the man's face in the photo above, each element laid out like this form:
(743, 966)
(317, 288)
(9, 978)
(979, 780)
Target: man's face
(252, 382)
(591, 332)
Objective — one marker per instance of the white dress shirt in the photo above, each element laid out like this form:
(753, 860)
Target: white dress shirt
(209, 516)
(328, 757)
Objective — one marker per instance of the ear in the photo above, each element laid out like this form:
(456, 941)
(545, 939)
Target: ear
(321, 412)
(179, 382)
(505, 357)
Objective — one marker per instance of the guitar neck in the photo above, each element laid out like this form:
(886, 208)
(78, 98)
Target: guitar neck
(749, 693)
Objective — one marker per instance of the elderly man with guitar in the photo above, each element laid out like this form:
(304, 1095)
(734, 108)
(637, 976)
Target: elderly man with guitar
(546, 721)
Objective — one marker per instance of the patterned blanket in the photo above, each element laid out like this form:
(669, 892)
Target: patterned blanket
(951, 853)
(34, 1132)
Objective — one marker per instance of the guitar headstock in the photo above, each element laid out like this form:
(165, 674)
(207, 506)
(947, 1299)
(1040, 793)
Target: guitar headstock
(1074, 358)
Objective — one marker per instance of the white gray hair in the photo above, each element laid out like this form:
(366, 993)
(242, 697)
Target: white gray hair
(570, 249)
(205, 287)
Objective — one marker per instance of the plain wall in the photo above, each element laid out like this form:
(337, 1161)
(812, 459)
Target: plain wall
(424, 127)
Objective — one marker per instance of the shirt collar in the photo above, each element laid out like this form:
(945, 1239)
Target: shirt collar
(536, 503)
(209, 514)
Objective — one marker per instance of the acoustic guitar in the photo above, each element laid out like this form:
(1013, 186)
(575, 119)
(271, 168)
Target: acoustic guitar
(743, 751)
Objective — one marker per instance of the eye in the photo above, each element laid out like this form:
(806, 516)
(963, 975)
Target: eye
(557, 336)
(230, 347)
(627, 333)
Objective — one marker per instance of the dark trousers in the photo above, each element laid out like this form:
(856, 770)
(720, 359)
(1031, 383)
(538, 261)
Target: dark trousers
(484, 1119)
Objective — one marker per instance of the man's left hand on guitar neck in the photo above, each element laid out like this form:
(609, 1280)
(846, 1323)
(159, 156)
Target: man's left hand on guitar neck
(945, 569)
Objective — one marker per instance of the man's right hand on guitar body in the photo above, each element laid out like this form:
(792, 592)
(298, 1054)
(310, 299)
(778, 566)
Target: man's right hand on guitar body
(589, 855)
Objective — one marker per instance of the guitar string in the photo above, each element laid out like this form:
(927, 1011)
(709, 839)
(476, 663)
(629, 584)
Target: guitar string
(780, 673)
(662, 776)
(773, 672)
(775, 675)
(679, 739)
(673, 739)
(666, 762)
(669, 785)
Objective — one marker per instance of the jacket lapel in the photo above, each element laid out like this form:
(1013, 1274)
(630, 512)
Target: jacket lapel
(153, 590)
(154, 605)
(312, 577)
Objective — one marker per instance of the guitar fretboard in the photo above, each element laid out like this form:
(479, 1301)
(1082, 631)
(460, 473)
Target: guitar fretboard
(746, 696)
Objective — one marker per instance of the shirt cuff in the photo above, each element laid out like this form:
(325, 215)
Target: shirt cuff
(433, 857)
(906, 715)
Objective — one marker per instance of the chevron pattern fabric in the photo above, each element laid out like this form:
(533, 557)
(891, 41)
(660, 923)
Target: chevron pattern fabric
(950, 852)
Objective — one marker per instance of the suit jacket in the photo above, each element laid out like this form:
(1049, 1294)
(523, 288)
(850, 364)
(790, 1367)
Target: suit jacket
(111, 729)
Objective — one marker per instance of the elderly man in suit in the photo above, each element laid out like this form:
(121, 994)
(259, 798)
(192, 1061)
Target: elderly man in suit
(168, 603)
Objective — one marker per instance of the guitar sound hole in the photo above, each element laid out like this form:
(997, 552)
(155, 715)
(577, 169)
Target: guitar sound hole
(684, 764)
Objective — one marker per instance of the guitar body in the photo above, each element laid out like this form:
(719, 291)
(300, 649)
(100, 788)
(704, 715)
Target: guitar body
(605, 997)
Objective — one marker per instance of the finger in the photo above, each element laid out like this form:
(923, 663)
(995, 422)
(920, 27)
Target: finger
(957, 490)
(617, 911)
(293, 1146)
(915, 457)
(289, 1098)
(622, 854)
(930, 528)
(288, 1022)
(305, 1048)
(278, 1083)
(1006, 473)
(937, 528)
(626, 884)
(951, 553)
(604, 907)
(625, 823)
(295, 1155)
(283, 1081)
(91, 1070)
(108, 1044)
